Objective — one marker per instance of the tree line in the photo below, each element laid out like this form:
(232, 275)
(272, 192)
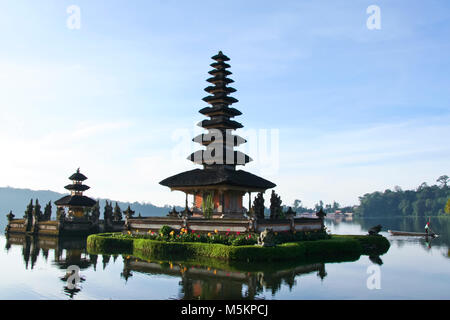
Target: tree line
(424, 201)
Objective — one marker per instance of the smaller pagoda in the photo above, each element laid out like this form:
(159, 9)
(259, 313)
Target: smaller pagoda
(76, 202)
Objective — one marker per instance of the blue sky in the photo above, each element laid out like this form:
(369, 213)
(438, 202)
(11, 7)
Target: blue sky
(351, 110)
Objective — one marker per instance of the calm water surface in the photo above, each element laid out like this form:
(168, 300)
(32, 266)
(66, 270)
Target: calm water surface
(34, 268)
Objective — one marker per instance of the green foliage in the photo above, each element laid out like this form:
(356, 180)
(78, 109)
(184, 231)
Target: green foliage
(165, 230)
(109, 243)
(333, 248)
(447, 206)
(208, 206)
(425, 201)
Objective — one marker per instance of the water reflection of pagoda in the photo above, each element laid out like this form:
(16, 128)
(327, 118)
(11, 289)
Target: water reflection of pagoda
(66, 252)
(219, 182)
(203, 282)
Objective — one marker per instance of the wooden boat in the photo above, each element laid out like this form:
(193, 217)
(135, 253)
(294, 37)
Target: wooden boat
(413, 234)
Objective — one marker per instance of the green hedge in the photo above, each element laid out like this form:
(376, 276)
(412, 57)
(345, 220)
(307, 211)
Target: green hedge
(109, 243)
(350, 247)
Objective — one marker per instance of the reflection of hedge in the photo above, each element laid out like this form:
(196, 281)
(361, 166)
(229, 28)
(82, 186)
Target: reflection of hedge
(337, 246)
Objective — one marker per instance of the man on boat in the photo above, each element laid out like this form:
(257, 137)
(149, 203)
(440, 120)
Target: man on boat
(428, 229)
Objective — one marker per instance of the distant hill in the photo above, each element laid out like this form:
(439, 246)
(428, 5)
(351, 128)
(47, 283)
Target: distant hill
(17, 200)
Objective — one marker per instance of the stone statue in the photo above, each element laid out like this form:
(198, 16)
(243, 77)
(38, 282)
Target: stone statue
(29, 216)
(29, 210)
(321, 215)
(117, 215)
(95, 213)
(258, 206)
(108, 213)
(290, 213)
(128, 215)
(186, 213)
(275, 206)
(10, 216)
(47, 212)
(375, 230)
(266, 238)
(173, 213)
(60, 214)
(37, 213)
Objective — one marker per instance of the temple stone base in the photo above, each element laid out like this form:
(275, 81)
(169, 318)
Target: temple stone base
(71, 227)
(224, 225)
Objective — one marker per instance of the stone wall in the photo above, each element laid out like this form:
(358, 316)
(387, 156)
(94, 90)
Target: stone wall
(200, 225)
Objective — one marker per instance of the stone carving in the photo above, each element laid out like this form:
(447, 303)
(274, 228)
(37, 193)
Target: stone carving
(266, 238)
(275, 206)
(37, 213)
(117, 214)
(128, 215)
(375, 230)
(47, 212)
(95, 213)
(10, 216)
(108, 213)
(258, 206)
(173, 213)
(321, 215)
(290, 213)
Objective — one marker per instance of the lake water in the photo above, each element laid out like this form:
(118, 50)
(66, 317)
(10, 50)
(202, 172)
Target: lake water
(412, 269)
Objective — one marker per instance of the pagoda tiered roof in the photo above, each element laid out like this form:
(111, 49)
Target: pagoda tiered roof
(220, 114)
(77, 187)
(217, 176)
(76, 199)
(77, 176)
(219, 160)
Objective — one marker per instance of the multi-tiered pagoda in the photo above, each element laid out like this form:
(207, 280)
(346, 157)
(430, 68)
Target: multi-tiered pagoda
(219, 186)
(76, 202)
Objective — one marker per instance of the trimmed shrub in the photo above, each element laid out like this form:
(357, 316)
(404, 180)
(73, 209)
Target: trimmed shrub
(335, 248)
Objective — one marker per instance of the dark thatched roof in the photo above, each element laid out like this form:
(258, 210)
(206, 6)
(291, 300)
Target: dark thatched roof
(220, 97)
(209, 157)
(77, 176)
(217, 89)
(77, 201)
(220, 123)
(220, 72)
(77, 187)
(220, 57)
(218, 78)
(223, 108)
(220, 65)
(208, 138)
(218, 175)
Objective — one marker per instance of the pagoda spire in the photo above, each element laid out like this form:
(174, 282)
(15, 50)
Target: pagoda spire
(219, 140)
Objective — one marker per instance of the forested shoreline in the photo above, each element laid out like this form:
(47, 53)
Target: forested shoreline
(424, 201)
